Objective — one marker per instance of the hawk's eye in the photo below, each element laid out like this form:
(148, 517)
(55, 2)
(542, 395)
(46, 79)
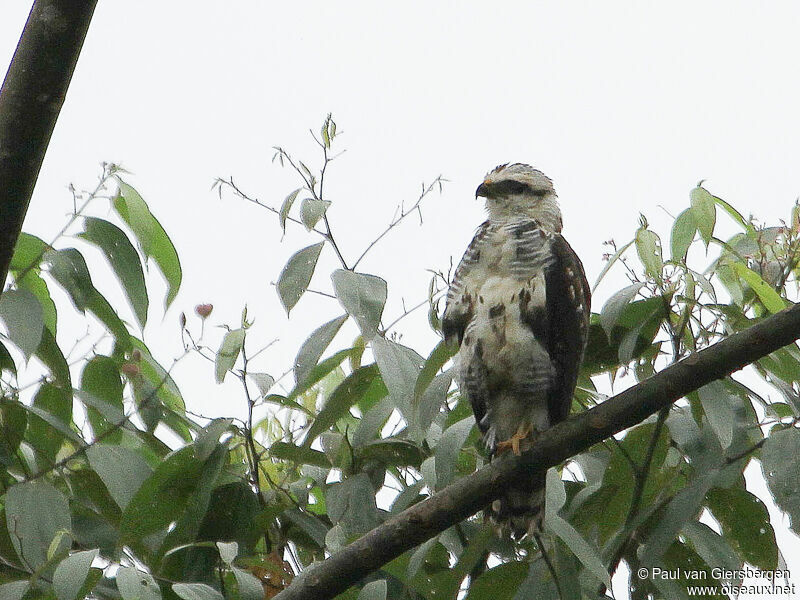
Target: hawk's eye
(509, 187)
(515, 187)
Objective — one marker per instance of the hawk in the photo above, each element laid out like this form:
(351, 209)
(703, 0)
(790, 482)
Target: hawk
(518, 308)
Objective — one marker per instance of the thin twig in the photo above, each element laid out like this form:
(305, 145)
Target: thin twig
(108, 172)
(399, 218)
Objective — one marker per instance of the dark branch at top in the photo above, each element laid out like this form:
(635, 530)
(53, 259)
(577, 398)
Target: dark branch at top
(470, 494)
(30, 101)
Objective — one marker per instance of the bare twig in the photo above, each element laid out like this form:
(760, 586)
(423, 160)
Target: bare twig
(398, 218)
(244, 196)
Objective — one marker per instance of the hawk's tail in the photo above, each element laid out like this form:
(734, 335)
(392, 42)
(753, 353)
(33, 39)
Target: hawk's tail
(521, 509)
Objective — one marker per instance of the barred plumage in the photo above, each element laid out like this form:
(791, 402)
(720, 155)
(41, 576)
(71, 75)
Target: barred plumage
(518, 308)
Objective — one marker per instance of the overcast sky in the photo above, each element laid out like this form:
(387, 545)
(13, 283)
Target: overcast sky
(626, 105)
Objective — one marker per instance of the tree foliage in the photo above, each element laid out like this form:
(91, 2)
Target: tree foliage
(110, 489)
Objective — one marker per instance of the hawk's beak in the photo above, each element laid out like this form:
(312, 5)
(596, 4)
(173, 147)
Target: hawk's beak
(483, 190)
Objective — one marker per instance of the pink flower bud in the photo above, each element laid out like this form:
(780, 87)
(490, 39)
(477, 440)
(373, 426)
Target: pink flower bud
(130, 369)
(203, 310)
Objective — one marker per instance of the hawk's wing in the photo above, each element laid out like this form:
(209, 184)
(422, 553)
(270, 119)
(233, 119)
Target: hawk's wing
(568, 312)
(458, 312)
(459, 306)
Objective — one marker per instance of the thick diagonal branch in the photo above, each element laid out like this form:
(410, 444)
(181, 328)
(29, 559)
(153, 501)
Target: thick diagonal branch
(30, 101)
(470, 494)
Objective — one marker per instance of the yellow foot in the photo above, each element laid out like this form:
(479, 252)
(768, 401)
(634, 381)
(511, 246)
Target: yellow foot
(513, 442)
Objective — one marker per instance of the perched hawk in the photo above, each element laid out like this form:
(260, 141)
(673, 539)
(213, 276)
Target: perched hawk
(518, 308)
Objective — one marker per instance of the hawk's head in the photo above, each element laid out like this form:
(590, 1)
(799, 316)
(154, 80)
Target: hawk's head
(518, 190)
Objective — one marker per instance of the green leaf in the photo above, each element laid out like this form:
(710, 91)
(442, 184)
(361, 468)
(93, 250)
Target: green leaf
(374, 590)
(152, 238)
(299, 454)
(228, 353)
(249, 586)
(231, 515)
(687, 569)
(712, 547)
(6, 361)
(286, 207)
(499, 583)
(682, 509)
(780, 460)
(14, 590)
(196, 591)
(36, 512)
(228, 551)
(136, 214)
(539, 582)
(648, 247)
(68, 268)
(134, 584)
(72, 573)
(590, 557)
(734, 214)
(296, 275)
(310, 525)
(28, 253)
(363, 297)
(437, 359)
(448, 449)
(124, 260)
(705, 213)
(433, 398)
(52, 406)
(312, 210)
(555, 493)
(22, 314)
(768, 296)
(263, 381)
(351, 503)
(312, 349)
(391, 452)
(38, 287)
(13, 423)
(190, 519)
(319, 372)
(162, 497)
(400, 367)
(612, 309)
(683, 231)
(745, 523)
(208, 437)
(108, 316)
(50, 354)
(100, 378)
(338, 403)
(122, 470)
(631, 337)
(374, 418)
(720, 412)
(166, 392)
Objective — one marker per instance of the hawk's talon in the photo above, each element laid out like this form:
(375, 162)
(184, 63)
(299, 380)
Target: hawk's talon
(513, 442)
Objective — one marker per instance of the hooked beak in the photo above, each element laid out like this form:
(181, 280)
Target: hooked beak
(482, 191)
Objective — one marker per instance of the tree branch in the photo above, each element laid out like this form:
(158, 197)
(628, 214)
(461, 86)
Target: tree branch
(30, 101)
(470, 494)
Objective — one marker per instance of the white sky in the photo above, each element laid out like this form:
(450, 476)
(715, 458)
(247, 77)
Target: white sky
(626, 105)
